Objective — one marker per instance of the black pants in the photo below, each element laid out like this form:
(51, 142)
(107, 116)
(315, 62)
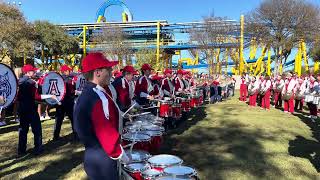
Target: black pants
(99, 166)
(66, 108)
(26, 119)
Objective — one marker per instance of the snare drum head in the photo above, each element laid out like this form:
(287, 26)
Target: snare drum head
(152, 133)
(151, 173)
(138, 137)
(179, 171)
(138, 155)
(136, 167)
(172, 178)
(165, 160)
(152, 128)
(176, 105)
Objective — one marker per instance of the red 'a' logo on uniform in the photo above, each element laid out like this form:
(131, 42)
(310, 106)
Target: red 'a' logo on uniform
(53, 87)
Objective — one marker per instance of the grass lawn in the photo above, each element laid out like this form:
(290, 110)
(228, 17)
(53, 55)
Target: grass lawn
(228, 140)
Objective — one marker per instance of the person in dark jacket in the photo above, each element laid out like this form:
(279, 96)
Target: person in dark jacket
(97, 120)
(27, 111)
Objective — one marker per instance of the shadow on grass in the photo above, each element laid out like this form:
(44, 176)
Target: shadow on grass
(305, 148)
(215, 150)
(58, 169)
(48, 148)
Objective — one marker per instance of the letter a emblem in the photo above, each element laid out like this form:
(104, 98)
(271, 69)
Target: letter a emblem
(53, 87)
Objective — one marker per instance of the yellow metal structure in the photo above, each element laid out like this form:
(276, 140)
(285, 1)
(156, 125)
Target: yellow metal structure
(316, 67)
(84, 43)
(241, 68)
(304, 54)
(158, 42)
(253, 49)
(269, 62)
(124, 17)
(259, 61)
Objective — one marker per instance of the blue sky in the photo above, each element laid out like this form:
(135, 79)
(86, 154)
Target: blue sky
(74, 11)
(84, 11)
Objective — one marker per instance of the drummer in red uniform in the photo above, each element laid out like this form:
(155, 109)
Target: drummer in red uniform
(157, 91)
(124, 89)
(97, 120)
(179, 85)
(166, 84)
(144, 86)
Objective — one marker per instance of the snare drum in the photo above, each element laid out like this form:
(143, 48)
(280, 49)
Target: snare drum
(165, 109)
(176, 111)
(180, 171)
(159, 162)
(138, 156)
(142, 140)
(135, 169)
(151, 174)
(172, 178)
(156, 140)
(194, 101)
(185, 104)
(152, 128)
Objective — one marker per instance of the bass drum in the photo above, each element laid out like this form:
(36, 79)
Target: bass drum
(53, 84)
(8, 85)
(287, 96)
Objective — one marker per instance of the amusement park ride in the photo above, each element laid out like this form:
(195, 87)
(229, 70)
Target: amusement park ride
(160, 35)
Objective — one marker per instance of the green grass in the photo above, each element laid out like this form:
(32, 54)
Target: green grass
(228, 140)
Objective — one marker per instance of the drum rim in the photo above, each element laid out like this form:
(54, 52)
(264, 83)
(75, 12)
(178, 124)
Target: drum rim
(65, 86)
(17, 85)
(146, 154)
(145, 166)
(162, 164)
(144, 175)
(137, 140)
(194, 172)
(153, 135)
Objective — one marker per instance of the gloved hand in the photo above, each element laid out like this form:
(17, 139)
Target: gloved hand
(125, 158)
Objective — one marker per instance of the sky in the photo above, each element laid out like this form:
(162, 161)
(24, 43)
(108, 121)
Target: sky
(174, 11)
(77, 11)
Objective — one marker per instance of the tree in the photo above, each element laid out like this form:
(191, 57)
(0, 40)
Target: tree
(282, 24)
(53, 41)
(16, 35)
(215, 30)
(146, 56)
(115, 43)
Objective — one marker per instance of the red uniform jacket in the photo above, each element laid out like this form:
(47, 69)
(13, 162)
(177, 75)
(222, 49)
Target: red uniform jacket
(143, 87)
(178, 84)
(97, 121)
(122, 88)
(167, 87)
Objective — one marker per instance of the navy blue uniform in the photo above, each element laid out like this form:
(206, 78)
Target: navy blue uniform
(66, 107)
(28, 114)
(98, 131)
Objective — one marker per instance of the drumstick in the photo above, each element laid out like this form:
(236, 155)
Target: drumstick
(129, 109)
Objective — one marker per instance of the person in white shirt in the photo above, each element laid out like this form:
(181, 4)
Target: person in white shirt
(253, 91)
(266, 88)
(277, 87)
(287, 91)
(299, 94)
